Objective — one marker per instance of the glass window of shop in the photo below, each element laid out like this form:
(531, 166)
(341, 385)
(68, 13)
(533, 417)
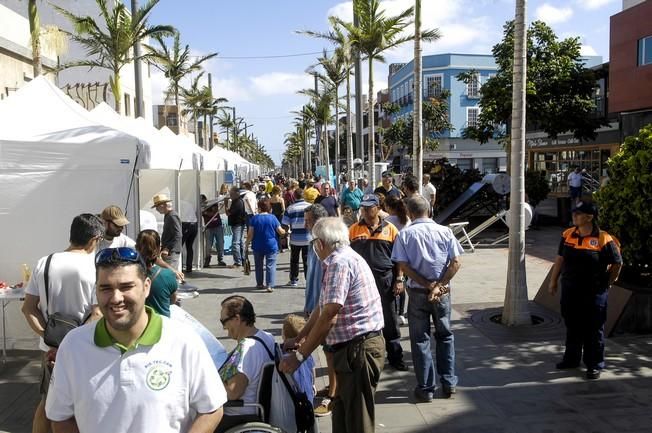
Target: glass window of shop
(558, 164)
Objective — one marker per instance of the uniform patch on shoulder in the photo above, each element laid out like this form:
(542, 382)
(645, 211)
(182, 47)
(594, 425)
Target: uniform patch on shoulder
(593, 242)
(158, 375)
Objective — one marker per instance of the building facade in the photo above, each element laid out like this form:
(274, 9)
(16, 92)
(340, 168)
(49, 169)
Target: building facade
(630, 45)
(16, 53)
(440, 73)
(87, 87)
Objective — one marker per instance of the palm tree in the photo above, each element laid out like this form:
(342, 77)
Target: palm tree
(35, 33)
(175, 63)
(515, 309)
(335, 72)
(294, 151)
(209, 107)
(343, 51)
(320, 114)
(192, 98)
(375, 34)
(109, 44)
(304, 121)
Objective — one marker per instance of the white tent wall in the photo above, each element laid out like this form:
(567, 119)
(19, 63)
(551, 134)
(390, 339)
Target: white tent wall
(189, 196)
(152, 182)
(46, 184)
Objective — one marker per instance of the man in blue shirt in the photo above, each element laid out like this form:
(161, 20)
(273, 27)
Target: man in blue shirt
(428, 254)
(299, 237)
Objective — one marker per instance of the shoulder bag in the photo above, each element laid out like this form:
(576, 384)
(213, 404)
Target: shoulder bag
(57, 325)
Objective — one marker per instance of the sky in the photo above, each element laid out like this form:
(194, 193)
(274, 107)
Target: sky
(262, 61)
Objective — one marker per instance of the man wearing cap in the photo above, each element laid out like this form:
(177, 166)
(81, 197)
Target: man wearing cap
(589, 262)
(114, 222)
(133, 370)
(387, 188)
(172, 237)
(373, 239)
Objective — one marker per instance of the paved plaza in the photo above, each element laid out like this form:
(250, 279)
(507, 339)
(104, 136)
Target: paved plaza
(508, 383)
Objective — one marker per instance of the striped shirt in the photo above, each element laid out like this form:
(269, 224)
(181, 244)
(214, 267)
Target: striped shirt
(294, 219)
(349, 282)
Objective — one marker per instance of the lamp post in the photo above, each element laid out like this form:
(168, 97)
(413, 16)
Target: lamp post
(138, 109)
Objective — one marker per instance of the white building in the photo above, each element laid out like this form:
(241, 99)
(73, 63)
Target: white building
(88, 87)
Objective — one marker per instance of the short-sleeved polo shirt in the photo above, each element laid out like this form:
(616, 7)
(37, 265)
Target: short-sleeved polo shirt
(294, 218)
(375, 246)
(159, 384)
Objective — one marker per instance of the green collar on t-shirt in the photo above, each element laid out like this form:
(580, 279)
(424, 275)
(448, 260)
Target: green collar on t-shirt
(150, 336)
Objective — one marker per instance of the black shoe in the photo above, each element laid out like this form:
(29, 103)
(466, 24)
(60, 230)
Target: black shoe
(593, 374)
(565, 365)
(207, 264)
(423, 395)
(221, 264)
(189, 271)
(449, 391)
(399, 365)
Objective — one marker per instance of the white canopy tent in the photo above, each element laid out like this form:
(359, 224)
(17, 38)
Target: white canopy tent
(57, 161)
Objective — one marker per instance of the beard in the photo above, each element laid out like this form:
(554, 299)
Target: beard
(126, 316)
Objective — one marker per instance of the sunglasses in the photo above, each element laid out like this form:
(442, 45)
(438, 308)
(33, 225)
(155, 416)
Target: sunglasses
(118, 255)
(223, 321)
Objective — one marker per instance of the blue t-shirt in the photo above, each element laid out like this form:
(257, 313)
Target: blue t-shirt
(264, 226)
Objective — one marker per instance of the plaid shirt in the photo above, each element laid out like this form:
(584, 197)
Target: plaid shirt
(349, 282)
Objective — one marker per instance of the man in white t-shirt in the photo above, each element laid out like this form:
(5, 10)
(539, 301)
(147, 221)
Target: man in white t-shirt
(575, 185)
(133, 370)
(429, 190)
(71, 288)
(115, 221)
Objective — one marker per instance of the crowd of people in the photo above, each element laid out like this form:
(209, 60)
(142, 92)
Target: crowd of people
(130, 369)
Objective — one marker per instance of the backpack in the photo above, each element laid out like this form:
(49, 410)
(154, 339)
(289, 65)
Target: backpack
(286, 398)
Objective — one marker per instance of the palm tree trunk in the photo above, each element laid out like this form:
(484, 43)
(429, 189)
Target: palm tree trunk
(372, 129)
(114, 82)
(176, 104)
(35, 32)
(327, 162)
(417, 133)
(516, 310)
(349, 132)
(337, 132)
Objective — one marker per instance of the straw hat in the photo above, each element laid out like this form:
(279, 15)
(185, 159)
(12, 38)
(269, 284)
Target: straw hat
(160, 199)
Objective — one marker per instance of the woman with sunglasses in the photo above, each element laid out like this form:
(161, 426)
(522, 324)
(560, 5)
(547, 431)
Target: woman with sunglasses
(163, 291)
(242, 369)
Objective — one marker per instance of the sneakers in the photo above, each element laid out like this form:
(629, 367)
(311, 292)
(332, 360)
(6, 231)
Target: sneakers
(399, 365)
(221, 264)
(402, 320)
(449, 391)
(293, 283)
(565, 365)
(269, 289)
(423, 396)
(325, 407)
(593, 374)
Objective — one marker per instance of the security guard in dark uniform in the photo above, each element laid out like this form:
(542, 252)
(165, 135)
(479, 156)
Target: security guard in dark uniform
(373, 239)
(589, 261)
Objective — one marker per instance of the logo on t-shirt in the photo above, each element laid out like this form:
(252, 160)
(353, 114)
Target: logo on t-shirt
(158, 376)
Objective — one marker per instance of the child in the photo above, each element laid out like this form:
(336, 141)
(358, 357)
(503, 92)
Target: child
(304, 376)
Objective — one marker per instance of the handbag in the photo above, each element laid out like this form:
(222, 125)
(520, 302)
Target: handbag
(57, 325)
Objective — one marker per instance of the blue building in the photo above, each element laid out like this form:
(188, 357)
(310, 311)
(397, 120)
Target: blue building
(439, 72)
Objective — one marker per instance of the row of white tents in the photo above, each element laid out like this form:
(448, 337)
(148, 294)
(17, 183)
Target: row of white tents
(58, 160)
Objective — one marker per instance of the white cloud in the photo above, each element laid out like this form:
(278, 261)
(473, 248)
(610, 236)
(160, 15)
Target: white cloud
(588, 50)
(594, 4)
(280, 83)
(553, 15)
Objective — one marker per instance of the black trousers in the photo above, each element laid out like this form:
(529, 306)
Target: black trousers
(188, 235)
(584, 317)
(295, 251)
(392, 330)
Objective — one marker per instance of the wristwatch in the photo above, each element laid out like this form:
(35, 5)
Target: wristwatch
(400, 279)
(299, 356)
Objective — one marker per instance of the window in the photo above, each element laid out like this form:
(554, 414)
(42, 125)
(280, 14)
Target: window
(472, 114)
(171, 120)
(434, 85)
(411, 86)
(645, 51)
(473, 88)
(127, 105)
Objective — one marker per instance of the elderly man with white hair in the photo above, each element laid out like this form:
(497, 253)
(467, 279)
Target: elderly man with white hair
(350, 319)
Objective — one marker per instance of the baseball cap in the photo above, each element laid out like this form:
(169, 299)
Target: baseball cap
(587, 208)
(369, 200)
(387, 174)
(114, 214)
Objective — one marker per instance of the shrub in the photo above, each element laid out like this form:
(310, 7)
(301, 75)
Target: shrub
(625, 209)
(536, 187)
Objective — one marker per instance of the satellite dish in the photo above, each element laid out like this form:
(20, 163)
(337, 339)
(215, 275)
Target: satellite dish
(357, 162)
(527, 215)
(499, 182)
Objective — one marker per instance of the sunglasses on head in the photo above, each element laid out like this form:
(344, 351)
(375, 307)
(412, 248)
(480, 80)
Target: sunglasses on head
(118, 255)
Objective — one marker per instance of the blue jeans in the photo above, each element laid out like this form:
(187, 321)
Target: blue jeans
(237, 246)
(270, 268)
(419, 313)
(214, 236)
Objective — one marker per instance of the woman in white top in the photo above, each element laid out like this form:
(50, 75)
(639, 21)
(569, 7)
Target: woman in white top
(397, 212)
